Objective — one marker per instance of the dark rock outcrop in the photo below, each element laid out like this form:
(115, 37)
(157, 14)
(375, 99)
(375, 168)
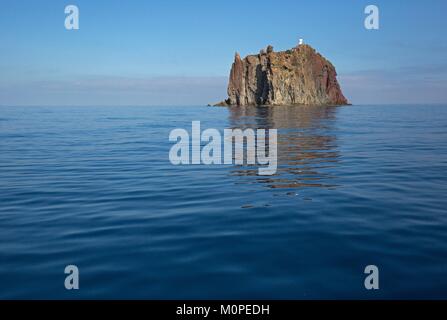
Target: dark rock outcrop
(299, 76)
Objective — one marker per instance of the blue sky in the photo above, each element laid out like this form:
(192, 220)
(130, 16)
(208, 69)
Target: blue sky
(180, 52)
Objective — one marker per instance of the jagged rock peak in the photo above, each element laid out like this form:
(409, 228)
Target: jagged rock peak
(299, 76)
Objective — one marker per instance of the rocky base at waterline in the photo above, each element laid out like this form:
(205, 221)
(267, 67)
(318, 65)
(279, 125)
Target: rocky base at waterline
(299, 76)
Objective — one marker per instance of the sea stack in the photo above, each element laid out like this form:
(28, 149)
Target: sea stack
(299, 76)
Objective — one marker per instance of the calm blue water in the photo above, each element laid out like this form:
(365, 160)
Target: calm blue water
(94, 187)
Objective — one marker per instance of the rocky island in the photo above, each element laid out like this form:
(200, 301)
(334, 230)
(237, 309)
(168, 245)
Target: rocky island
(299, 76)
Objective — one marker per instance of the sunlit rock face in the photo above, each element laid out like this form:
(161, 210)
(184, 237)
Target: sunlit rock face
(300, 76)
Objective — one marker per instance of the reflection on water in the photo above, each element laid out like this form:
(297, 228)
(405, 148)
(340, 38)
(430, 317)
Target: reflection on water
(307, 148)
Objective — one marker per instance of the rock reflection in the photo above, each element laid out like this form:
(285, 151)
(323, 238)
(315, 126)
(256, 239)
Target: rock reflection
(307, 148)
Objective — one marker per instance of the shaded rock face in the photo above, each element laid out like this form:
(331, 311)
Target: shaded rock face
(299, 76)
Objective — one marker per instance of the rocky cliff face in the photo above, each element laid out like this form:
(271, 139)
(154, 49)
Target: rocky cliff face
(299, 76)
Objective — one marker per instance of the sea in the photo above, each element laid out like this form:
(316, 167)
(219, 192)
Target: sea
(93, 187)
